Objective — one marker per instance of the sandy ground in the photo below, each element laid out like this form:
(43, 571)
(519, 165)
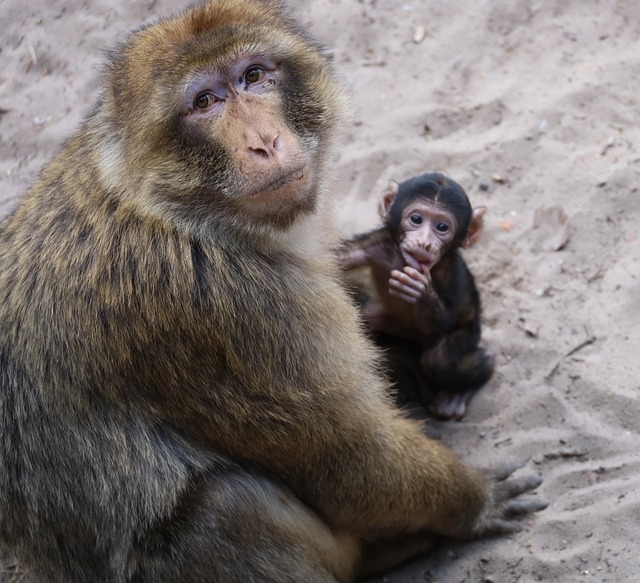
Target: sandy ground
(532, 105)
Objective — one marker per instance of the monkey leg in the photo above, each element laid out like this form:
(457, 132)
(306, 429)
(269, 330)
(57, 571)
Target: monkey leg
(455, 385)
(238, 526)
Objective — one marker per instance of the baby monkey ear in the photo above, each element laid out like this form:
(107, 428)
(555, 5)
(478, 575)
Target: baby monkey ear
(475, 227)
(386, 199)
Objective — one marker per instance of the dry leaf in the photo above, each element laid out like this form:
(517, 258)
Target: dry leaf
(551, 227)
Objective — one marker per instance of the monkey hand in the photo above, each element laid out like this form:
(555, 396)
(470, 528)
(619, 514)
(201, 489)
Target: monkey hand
(410, 284)
(505, 505)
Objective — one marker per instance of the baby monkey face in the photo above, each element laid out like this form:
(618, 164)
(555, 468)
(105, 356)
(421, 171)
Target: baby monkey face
(428, 230)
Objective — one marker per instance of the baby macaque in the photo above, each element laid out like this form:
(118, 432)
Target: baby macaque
(427, 302)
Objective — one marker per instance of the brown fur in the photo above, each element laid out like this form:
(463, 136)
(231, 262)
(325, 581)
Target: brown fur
(185, 391)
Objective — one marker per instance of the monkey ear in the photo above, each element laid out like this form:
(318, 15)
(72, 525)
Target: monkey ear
(387, 198)
(475, 226)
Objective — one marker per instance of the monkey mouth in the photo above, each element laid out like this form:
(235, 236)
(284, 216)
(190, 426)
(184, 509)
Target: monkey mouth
(281, 179)
(417, 259)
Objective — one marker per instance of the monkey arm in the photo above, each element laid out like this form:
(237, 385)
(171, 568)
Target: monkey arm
(364, 249)
(400, 481)
(462, 332)
(315, 414)
(349, 259)
(433, 315)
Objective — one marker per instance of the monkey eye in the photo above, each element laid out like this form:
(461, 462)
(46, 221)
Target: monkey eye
(442, 227)
(204, 101)
(416, 219)
(253, 74)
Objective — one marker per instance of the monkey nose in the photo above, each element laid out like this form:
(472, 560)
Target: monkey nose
(265, 145)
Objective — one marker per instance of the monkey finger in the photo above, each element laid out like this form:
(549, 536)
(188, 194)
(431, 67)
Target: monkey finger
(405, 289)
(522, 506)
(402, 282)
(515, 487)
(410, 298)
(413, 293)
(408, 275)
(505, 469)
(424, 277)
(499, 526)
(406, 279)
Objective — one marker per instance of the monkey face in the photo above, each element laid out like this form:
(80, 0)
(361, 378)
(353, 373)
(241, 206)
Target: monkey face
(238, 107)
(427, 232)
(242, 110)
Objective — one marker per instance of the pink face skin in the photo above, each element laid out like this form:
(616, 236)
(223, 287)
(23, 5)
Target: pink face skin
(428, 231)
(238, 105)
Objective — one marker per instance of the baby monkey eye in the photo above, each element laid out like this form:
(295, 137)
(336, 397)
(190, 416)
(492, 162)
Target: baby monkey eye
(253, 74)
(416, 219)
(442, 227)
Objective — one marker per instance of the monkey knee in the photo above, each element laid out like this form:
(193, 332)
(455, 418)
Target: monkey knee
(476, 376)
(481, 367)
(468, 374)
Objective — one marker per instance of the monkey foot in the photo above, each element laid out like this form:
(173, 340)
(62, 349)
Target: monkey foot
(450, 404)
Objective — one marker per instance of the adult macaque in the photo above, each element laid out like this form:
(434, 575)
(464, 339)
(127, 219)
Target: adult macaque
(185, 392)
(427, 301)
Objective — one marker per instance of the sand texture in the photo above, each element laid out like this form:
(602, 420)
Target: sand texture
(532, 105)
